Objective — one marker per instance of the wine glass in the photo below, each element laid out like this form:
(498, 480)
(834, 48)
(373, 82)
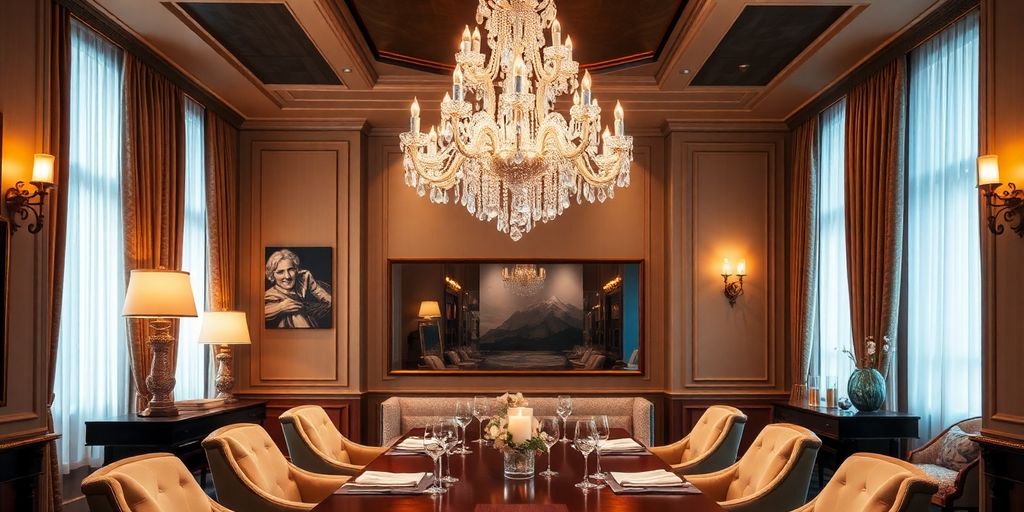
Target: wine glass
(564, 410)
(434, 445)
(482, 411)
(463, 415)
(549, 433)
(585, 441)
(448, 430)
(601, 422)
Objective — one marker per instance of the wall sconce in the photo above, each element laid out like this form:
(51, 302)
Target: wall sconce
(21, 203)
(733, 289)
(1008, 204)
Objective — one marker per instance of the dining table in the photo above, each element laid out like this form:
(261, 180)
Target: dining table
(482, 486)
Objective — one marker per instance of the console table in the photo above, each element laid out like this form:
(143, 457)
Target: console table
(21, 463)
(129, 434)
(844, 433)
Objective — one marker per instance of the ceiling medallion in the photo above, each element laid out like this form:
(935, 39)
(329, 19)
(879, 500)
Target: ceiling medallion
(523, 280)
(508, 156)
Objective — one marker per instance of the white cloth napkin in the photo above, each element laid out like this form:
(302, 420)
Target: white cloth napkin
(621, 446)
(385, 479)
(654, 478)
(410, 444)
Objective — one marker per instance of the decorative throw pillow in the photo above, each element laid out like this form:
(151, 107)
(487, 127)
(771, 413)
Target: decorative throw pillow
(957, 450)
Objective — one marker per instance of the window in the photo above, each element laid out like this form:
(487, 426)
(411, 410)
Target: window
(92, 359)
(943, 250)
(193, 370)
(832, 328)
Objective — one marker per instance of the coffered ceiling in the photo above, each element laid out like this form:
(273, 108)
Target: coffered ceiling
(340, 61)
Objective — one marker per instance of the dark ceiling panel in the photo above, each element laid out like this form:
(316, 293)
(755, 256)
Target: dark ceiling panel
(763, 41)
(605, 33)
(266, 39)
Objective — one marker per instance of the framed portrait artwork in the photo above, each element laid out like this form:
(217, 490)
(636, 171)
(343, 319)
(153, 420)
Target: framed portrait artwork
(298, 288)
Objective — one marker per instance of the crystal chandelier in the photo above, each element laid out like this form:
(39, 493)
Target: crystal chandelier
(509, 156)
(523, 280)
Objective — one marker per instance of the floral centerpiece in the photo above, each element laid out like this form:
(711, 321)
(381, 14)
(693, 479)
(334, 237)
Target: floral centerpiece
(866, 386)
(515, 432)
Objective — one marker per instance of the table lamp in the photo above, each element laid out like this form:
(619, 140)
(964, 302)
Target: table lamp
(223, 329)
(429, 309)
(159, 295)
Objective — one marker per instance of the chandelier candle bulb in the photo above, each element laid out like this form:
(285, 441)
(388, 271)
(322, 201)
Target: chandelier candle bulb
(457, 84)
(414, 119)
(604, 141)
(519, 72)
(726, 267)
(556, 33)
(568, 45)
(741, 269)
(432, 141)
(585, 84)
(620, 125)
(476, 39)
(466, 37)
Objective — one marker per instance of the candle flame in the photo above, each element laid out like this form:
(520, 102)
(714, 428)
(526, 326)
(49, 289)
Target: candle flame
(618, 111)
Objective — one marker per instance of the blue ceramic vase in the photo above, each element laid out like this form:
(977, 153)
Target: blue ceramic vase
(866, 389)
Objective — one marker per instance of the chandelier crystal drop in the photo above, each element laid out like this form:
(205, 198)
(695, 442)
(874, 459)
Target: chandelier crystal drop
(508, 156)
(523, 280)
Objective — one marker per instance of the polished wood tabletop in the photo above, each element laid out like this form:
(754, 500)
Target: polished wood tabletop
(483, 483)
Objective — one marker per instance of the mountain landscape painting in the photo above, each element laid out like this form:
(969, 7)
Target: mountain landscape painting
(534, 329)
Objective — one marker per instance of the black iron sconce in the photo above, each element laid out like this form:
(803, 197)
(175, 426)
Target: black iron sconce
(1008, 204)
(21, 203)
(735, 288)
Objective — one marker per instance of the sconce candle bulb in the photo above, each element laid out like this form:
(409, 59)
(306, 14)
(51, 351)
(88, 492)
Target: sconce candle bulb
(1007, 204)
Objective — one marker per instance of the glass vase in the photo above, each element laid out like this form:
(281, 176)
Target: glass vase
(866, 389)
(519, 465)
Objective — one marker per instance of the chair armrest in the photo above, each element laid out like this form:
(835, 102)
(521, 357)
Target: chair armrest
(714, 485)
(361, 454)
(927, 453)
(966, 486)
(672, 454)
(314, 487)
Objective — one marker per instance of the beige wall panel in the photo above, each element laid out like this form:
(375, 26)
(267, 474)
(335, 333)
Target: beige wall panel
(730, 220)
(301, 189)
(1003, 258)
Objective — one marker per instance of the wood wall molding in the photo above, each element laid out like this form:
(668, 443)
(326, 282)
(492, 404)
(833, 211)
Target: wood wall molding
(302, 189)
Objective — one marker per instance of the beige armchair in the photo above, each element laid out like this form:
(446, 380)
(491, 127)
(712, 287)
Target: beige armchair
(710, 446)
(314, 444)
(155, 482)
(772, 475)
(952, 461)
(867, 482)
(252, 475)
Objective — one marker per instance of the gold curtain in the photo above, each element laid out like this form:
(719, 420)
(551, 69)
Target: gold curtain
(874, 205)
(222, 213)
(803, 244)
(56, 134)
(153, 189)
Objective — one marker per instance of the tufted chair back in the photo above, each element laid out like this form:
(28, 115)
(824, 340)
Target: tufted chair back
(773, 474)
(711, 444)
(251, 474)
(315, 444)
(867, 482)
(155, 482)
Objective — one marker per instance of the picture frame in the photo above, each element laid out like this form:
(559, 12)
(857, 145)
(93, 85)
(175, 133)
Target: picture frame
(298, 287)
(431, 339)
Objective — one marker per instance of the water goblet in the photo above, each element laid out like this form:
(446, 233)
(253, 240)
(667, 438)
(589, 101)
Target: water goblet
(463, 415)
(481, 411)
(601, 423)
(435, 447)
(585, 441)
(564, 410)
(549, 433)
(448, 430)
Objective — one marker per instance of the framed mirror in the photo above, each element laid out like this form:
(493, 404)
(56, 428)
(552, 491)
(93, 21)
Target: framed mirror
(565, 317)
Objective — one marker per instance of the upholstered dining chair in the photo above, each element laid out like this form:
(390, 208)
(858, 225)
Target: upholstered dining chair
(867, 482)
(952, 460)
(252, 475)
(154, 482)
(772, 476)
(710, 446)
(314, 443)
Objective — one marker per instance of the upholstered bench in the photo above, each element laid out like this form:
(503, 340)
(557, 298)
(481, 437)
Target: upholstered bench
(635, 414)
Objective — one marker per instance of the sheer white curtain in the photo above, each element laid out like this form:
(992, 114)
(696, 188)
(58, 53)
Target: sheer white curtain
(92, 357)
(943, 254)
(192, 370)
(834, 332)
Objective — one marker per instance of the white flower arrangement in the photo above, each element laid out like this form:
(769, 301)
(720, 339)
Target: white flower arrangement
(871, 358)
(496, 429)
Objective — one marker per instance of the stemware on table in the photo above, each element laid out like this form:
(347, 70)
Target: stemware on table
(564, 410)
(601, 422)
(585, 441)
(463, 416)
(549, 433)
(448, 430)
(434, 445)
(482, 412)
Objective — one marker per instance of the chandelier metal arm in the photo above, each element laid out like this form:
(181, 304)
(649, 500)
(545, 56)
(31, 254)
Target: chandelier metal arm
(550, 130)
(488, 131)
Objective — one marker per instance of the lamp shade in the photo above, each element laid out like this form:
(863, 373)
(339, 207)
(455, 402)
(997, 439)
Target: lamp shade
(430, 309)
(159, 294)
(224, 328)
(42, 169)
(988, 170)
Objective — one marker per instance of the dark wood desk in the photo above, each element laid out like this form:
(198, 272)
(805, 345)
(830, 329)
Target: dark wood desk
(21, 463)
(129, 435)
(483, 483)
(844, 433)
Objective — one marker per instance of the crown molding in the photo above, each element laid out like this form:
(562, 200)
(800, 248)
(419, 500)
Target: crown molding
(349, 125)
(682, 125)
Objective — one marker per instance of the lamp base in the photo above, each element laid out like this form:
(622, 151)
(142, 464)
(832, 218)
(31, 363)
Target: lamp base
(225, 381)
(160, 380)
